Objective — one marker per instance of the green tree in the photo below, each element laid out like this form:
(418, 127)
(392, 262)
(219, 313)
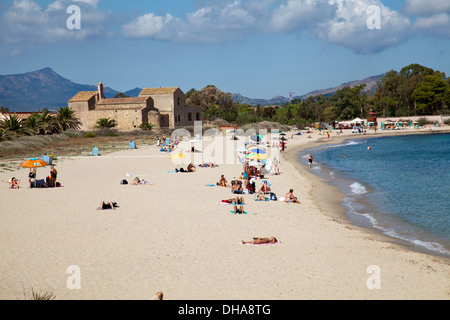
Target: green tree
(65, 118)
(12, 127)
(429, 94)
(47, 122)
(121, 95)
(105, 123)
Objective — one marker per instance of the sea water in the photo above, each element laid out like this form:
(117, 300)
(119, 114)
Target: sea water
(400, 186)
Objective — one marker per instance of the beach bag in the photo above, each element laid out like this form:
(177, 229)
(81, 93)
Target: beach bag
(124, 181)
(273, 196)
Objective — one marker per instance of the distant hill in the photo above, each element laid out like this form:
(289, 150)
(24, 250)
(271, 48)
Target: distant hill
(133, 92)
(33, 91)
(371, 83)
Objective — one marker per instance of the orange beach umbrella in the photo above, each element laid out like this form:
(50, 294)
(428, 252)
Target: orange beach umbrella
(33, 163)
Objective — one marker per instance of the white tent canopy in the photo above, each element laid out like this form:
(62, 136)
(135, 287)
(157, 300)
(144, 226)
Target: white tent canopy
(357, 120)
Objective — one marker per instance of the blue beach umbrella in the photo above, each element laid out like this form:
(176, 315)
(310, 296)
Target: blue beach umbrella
(257, 150)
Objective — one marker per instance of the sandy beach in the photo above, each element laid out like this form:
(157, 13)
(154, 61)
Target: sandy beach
(175, 236)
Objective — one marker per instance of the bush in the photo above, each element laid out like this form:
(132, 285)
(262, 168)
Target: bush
(89, 135)
(146, 126)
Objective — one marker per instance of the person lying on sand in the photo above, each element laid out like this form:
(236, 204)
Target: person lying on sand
(239, 210)
(191, 168)
(237, 200)
(107, 205)
(260, 196)
(208, 165)
(261, 240)
(137, 181)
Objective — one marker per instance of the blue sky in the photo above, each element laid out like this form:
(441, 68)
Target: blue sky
(259, 48)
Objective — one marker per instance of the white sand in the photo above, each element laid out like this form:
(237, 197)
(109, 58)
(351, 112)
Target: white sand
(174, 236)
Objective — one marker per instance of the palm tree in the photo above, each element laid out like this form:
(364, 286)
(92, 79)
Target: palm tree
(12, 126)
(32, 124)
(47, 122)
(66, 119)
(105, 123)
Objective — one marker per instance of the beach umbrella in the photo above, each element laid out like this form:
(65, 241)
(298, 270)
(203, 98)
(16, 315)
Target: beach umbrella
(256, 156)
(178, 156)
(257, 150)
(257, 138)
(34, 163)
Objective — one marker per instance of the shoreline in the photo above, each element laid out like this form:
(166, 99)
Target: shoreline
(329, 198)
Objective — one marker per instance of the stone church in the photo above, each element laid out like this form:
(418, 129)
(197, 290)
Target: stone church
(162, 107)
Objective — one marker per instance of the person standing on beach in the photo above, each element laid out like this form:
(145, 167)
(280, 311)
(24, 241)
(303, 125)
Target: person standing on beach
(276, 166)
(310, 161)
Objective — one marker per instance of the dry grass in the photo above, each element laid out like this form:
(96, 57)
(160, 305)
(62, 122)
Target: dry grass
(13, 152)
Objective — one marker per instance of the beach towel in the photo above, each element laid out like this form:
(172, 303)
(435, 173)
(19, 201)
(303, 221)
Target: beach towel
(245, 212)
(282, 199)
(265, 199)
(225, 202)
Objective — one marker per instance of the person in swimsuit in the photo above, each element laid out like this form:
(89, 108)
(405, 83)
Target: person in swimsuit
(222, 182)
(261, 240)
(310, 160)
(239, 210)
(107, 205)
(290, 197)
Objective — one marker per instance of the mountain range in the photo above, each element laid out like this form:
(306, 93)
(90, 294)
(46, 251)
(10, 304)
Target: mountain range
(36, 90)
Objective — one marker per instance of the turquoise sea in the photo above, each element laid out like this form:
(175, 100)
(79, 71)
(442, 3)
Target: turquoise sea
(400, 187)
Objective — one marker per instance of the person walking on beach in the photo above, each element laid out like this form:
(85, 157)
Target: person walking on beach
(310, 161)
(276, 166)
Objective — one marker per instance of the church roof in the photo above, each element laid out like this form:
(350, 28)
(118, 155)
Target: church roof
(134, 100)
(83, 96)
(150, 91)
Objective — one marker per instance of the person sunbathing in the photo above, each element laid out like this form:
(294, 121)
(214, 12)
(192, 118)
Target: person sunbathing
(208, 165)
(239, 210)
(191, 168)
(14, 183)
(265, 188)
(259, 196)
(237, 200)
(222, 182)
(261, 240)
(290, 197)
(107, 205)
(236, 187)
(137, 181)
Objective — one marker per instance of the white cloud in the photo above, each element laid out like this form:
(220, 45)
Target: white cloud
(208, 24)
(25, 23)
(427, 7)
(349, 27)
(341, 22)
(436, 25)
